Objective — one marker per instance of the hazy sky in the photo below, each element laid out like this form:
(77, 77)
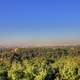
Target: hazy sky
(39, 22)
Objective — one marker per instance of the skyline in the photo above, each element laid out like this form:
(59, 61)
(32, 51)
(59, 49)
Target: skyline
(39, 23)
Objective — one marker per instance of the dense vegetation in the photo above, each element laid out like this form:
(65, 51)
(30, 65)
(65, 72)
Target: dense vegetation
(40, 64)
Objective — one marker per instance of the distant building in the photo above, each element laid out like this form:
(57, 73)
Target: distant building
(16, 49)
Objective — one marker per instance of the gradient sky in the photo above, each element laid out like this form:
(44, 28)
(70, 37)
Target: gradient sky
(39, 22)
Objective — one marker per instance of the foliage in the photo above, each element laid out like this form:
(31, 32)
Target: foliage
(40, 64)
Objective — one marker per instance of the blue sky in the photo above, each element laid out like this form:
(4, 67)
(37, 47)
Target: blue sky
(39, 22)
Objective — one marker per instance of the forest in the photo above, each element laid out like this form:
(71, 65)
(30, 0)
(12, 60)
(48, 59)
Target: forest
(40, 63)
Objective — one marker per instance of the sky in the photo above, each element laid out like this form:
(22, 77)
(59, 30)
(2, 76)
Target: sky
(39, 22)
